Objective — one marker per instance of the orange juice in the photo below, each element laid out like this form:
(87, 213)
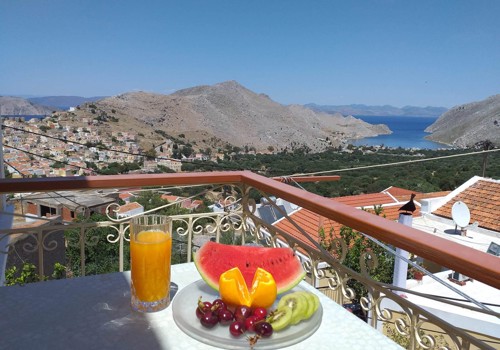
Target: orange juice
(150, 253)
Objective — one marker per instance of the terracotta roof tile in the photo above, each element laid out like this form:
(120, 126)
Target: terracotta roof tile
(365, 200)
(311, 222)
(128, 207)
(391, 212)
(170, 198)
(420, 196)
(398, 191)
(483, 200)
(125, 195)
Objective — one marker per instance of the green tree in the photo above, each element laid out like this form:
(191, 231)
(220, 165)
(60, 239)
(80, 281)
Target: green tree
(44, 128)
(101, 256)
(58, 164)
(150, 154)
(187, 151)
(357, 245)
(28, 274)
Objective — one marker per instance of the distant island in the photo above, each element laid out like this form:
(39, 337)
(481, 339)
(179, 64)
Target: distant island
(63, 102)
(386, 110)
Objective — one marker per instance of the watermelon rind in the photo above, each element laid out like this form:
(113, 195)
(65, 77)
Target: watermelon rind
(213, 259)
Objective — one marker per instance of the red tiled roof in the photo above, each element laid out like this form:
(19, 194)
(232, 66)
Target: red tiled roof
(365, 200)
(128, 207)
(311, 222)
(170, 198)
(482, 198)
(391, 212)
(196, 203)
(398, 191)
(420, 196)
(125, 195)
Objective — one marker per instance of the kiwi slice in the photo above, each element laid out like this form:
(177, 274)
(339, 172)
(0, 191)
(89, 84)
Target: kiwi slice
(316, 302)
(311, 307)
(280, 318)
(298, 303)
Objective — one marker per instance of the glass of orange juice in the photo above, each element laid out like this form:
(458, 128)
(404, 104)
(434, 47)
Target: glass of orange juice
(150, 252)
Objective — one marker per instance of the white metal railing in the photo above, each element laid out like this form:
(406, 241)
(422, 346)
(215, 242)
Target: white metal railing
(240, 222)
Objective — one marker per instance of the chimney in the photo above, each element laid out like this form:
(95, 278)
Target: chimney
(401, 266)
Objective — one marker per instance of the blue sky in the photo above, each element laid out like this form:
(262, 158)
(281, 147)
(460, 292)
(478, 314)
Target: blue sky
(398, 52)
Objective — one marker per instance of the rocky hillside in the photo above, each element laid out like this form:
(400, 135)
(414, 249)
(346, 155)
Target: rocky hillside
(228, 113)
(468, 124)
(20, 106)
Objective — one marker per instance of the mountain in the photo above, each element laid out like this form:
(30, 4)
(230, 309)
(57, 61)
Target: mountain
(386, 110)
(468, 124)
(19, 106)
(63, 102)
(227, 113)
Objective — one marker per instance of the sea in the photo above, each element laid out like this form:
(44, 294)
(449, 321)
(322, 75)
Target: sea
(407, 132)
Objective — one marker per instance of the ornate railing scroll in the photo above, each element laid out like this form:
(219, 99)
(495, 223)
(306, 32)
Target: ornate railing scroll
(380, 303)
(33, 243)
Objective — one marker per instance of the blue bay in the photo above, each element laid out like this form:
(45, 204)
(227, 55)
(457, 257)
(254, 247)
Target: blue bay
(407, 132)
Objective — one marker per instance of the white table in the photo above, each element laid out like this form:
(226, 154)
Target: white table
(94, 312)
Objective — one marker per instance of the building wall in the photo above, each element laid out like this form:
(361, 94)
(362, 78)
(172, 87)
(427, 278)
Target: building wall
(31, 208)
(67, 214)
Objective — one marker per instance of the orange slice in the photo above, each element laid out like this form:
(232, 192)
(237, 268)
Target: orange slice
(234, 291)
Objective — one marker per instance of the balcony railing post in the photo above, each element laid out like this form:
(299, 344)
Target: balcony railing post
(41, 271)
(190, 239)
(121, 234)
(218, 223)
(243, 238)
(82, 250)
(245, 208)
(373, 309)
(413, 332)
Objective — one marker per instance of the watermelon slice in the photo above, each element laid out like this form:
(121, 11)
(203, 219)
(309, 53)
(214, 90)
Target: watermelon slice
(213, 259)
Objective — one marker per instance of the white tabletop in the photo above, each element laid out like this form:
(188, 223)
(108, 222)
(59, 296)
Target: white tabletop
(94, 312)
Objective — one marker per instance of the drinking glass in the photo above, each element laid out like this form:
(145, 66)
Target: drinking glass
(150, 253)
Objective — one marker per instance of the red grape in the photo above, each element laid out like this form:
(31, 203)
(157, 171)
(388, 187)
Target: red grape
(250, 323)
(225, 317)
(220, 304)
(264, 329)
(202, 308)
(209, 320)
(260, 312)
(242, 312)
(237, 328)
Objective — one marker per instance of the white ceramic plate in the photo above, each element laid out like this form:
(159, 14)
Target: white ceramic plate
(184, 311)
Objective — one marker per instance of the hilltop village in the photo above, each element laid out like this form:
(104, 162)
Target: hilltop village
(62, 145)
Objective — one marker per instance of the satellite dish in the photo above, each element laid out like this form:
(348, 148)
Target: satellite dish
(460, 214)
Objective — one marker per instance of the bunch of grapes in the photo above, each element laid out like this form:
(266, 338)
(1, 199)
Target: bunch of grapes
(239, 319)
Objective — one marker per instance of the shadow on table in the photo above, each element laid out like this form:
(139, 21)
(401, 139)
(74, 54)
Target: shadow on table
(119, 325)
